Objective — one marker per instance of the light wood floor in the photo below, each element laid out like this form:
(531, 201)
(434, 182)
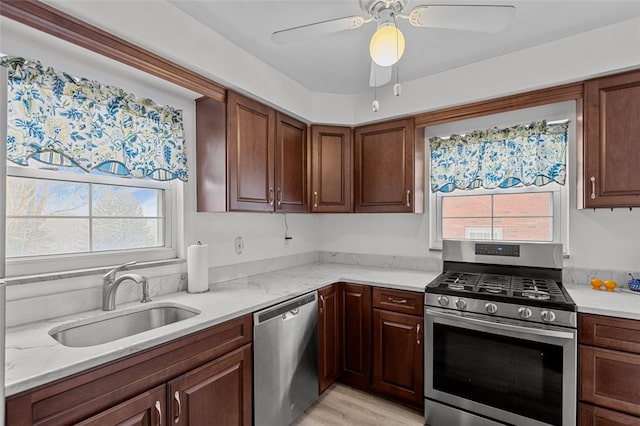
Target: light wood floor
(342, 405)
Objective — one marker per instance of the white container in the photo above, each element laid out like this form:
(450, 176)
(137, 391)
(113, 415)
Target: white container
(198, 268)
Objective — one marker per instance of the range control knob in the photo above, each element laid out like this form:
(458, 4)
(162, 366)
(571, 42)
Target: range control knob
(548, 316)
(524, 312)
(461, 303)
(443, 300)
(491, 308)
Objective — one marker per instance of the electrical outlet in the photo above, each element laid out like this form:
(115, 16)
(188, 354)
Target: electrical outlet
(238, 245)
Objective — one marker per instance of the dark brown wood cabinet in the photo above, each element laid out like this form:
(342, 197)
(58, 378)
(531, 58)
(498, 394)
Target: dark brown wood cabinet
(609, 362)
(331, 169)
(611, 144)
(354, 303)
(216, 393)
(147, 409)
(211, 155)
(388, 168)
(126, 388)
(291, 165)
(398, 329)
(266, 158)
(328, 330)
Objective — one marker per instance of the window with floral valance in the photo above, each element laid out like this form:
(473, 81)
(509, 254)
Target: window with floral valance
(63, 120)
(525, 155)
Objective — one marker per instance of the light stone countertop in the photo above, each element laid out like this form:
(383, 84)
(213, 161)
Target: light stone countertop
(34, 358)
(622, 303)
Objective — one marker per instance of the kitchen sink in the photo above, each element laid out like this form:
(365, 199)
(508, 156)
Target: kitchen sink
(110, 327)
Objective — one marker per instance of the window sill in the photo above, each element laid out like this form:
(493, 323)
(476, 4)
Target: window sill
(28, 279)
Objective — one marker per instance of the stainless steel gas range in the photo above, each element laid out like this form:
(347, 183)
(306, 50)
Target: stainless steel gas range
(500, 337)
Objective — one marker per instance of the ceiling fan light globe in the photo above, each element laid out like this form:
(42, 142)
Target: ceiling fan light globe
(387, 45)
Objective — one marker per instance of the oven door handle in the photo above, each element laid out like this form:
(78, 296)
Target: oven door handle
(566, 335)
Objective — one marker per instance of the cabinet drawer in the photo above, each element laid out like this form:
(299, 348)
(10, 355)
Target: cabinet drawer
(610, 379)
(608, 332)
(588, 415)
(406, 302)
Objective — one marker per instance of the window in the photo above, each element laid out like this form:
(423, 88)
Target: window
(516, 213)
(90, 176)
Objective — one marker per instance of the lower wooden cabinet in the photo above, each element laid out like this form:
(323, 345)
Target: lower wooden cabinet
(147, 409)
(609, 379)
(211, 370)
(216, 393)
(355, 334)
(397, 356)
(328, 329)
(589, 415)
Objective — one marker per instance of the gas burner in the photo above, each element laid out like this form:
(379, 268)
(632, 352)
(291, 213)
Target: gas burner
(494, 290)
(536, 294)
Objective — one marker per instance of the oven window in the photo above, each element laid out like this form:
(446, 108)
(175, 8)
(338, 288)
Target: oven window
(515, 375)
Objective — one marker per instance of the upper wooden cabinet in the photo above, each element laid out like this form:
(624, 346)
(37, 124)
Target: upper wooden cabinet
(389, 168)
(211, 155)
(611, 144)
(266, 158)
(331, 160)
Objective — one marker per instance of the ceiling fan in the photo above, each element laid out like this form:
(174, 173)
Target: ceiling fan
(389, 47)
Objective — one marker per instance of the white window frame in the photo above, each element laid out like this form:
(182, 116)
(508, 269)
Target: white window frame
(44, 264)
(561, 194)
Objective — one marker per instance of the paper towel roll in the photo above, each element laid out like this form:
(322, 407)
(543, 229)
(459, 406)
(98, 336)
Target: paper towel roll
(198, 268)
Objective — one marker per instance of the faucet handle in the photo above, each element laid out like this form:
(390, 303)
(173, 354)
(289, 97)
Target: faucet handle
(111, 274)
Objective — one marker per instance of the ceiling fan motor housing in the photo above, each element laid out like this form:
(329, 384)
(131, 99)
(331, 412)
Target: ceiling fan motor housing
(374, 7)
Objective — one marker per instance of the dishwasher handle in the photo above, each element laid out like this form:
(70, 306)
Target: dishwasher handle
(285, 310)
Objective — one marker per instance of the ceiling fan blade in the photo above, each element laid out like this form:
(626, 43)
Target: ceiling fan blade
(317, 29)
(486, 19)
(379, 76)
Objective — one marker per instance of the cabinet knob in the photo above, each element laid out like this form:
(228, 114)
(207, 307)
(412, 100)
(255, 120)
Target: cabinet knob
(279, 197)
(408, 198)
(271, 195)
(418, 334)
(398, 301)
(593, 187)
(315, 198)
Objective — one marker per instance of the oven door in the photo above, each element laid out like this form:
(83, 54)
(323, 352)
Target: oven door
(510, 371)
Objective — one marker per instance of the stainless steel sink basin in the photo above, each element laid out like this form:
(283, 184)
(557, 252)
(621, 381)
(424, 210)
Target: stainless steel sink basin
(110, 327)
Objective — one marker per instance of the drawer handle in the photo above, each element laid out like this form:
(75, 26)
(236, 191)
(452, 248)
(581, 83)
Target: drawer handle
(593, 187)
(398, 301)
(418, 333)
(159, 410)
(176, 396)
(408, 198)
(315, 199)
(271, 195)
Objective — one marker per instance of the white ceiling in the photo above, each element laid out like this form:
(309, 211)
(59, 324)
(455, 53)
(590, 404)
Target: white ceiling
(339, 63)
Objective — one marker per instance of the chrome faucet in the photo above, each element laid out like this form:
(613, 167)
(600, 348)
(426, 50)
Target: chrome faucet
(110, 286)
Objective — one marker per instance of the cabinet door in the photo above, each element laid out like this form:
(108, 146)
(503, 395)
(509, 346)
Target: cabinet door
(211, 155)
(588, 415)
(397, 355)
(610, 379)
(328, 326)
(355, 334)
(331, 169)
(147, 409)
(611, 144)
(250, 154)
(609, 332)
(291, 168)
(217, 393)
(384, 167)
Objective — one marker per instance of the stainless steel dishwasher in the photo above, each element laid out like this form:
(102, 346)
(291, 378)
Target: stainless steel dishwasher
(285, 360)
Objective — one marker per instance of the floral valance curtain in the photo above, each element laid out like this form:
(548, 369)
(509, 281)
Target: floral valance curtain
(62, 120)
(500, 158)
